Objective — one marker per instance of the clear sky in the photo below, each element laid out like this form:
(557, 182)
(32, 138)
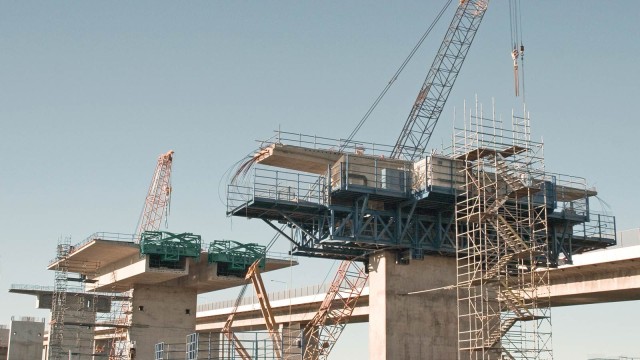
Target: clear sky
(92, 92)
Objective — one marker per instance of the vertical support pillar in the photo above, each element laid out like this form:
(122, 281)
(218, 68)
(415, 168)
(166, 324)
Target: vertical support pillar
(161, 312)
(421, 326)
(292, 341)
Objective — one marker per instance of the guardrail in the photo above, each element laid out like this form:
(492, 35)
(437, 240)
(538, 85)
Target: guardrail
(571, 194)
(31, 287)
(273, 296)
(600, 227)
(28, 319)
(108, 236)
(324, 143)
(278, 185)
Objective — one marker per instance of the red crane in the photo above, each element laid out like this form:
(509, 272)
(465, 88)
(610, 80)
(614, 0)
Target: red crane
(158, 198)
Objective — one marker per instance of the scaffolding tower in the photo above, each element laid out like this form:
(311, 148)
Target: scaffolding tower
(73, 307)
(59, 300)
(502, 254)
(120, 321)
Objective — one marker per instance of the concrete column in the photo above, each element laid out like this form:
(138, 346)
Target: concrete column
(25, 340)
(292, 341)
(161, 313)
(4, 341)
(412, 327)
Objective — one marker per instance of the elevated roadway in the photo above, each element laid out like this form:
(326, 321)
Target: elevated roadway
(598, 277)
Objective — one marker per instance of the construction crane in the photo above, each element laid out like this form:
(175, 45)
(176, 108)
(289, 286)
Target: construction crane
(418, 128)
(325, 328)
(155, 207)
(253, 274)
(234, 342)
(322, 332)
(158, 198)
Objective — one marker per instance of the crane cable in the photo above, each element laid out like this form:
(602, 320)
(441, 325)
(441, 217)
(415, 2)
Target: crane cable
(395, 76)
(517, 47)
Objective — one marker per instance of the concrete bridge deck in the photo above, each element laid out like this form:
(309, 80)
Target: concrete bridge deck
(598, 277)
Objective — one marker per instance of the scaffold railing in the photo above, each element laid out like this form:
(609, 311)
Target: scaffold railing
(318, 291)
(107, 236)
(213, 346)
(600, 227)
(325, 143)
(277, 185)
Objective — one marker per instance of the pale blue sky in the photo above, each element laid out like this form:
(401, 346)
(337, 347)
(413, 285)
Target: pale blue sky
(93, 92)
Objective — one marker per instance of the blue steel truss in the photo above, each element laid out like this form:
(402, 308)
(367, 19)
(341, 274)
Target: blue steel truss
(354, 210)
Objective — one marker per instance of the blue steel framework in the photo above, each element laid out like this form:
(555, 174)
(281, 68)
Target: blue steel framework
(352, 218)
(339, 216)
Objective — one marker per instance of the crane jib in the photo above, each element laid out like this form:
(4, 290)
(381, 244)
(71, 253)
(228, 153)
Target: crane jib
(424, 115)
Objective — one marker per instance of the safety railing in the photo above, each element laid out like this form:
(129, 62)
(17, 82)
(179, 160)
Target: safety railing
(31, 287)
(277, 185)
(324, 143)
(630, 237)
(281, 256)
(572, 195)
(210, 346)
(108, 236)
(273, 296)
(28, 319)
(600, 227)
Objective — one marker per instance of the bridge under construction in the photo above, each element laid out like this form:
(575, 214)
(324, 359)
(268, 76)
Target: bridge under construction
(456, 253)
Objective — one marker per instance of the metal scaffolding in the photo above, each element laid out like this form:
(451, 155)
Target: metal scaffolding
(73, 307)
(59, 300)
(502, 257)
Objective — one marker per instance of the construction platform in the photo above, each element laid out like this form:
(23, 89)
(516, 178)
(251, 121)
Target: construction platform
(109, 265)
(350, 200)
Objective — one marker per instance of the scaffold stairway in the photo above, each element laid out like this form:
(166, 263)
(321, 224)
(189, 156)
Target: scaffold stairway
(515, 302)
(507, 173)
(506, 355)
(59, 300)
(494, 271)
(509, 234)
(505, 326)
(496, 205)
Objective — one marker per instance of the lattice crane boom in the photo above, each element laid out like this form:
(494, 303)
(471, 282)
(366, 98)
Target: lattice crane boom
(335, 311)
(253, 274)
(426, 110)
(158, 197)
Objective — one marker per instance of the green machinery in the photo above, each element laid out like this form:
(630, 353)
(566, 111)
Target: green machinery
(234, 258)
(168, 247)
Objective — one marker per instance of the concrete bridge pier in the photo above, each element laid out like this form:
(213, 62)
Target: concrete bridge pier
(292, 341)
(412, 327)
